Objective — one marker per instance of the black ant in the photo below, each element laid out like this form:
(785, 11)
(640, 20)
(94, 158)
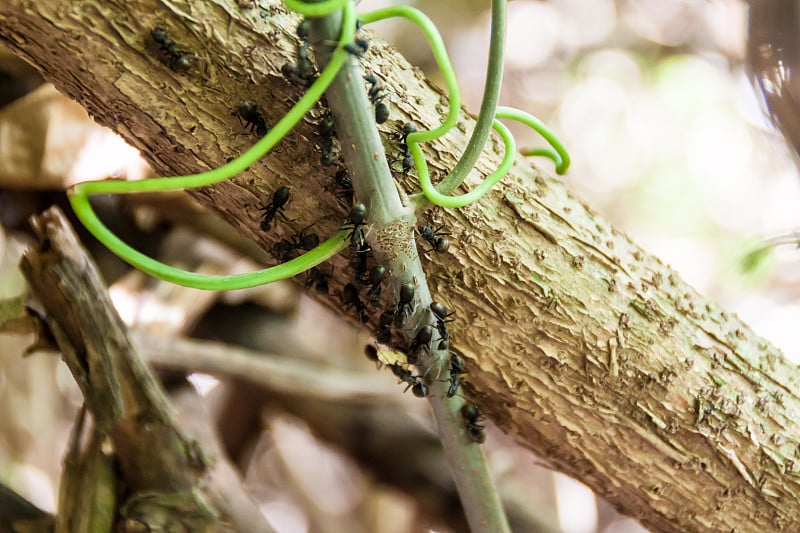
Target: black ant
(435, 238)
(471, 416)
(418, 388)
(253, 120)
(358, 262)
(376, 275)
(356, 222)
(302, 29)
(350, 299)
(279, 199)
(327, 130)
(344, 187)
(405, 304)
(456, 368)
(406, 159)
(303, 72)
(376, 97)
(176, 59)
(317, 279)
(440, 313)
(286, 248)
(384, 334)
(357, 48)
(421, 342)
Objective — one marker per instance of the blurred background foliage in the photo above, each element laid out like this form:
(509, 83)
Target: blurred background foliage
(669, 143)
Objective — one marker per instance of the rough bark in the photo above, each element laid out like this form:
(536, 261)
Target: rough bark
(589, 351)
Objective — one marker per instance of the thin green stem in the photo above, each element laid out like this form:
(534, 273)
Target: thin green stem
(393, 245)
(491, 95)
(558, 154)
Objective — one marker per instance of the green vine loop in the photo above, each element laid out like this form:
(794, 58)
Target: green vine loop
(558, 154)
(318, 9)
(442, 60)
(78, 194)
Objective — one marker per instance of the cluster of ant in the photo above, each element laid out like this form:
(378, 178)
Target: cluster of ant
(175, 59)
(367, 280)
(377, 95)
(179, 60)
(304, 71)
(360, 255)
(393, 320)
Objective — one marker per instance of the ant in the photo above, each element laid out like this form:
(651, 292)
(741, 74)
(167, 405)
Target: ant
(327, 130)
(302, 29)
(406, 159)
(253, 120)
(344, 187)
(350, 299)
(405, 304)
(357, 48)
(285, 248)
(440, 313)
(420, 342)
(376, 97)
(376, 275)
(435, 238)
(176, 60)
(317, 279)
(279, 199)
(418, 388)
(358, 262)
(384, 334)
(356, 222)
(471, 416)
(303, 72)
(456, 368)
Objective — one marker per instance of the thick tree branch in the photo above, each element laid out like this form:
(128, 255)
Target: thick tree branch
(590, 352)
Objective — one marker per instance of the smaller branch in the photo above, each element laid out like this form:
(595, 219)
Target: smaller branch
(395, 247)
(280, 374)
(87, 492)
(164, 470)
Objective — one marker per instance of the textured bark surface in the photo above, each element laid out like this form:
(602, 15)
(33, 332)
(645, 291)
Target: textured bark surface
(589, 351)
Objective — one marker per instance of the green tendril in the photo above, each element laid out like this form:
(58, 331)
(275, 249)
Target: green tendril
(318, 9)
(78, 194)
(442, 60)
(558, 154)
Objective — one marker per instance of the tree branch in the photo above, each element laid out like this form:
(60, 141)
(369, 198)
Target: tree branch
(587, 350)
(171, 480)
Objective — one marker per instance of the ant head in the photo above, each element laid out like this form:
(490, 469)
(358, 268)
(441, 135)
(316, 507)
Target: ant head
(358, 214)
(439, 310)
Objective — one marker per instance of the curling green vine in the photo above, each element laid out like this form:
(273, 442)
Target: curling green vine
(79, 194)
